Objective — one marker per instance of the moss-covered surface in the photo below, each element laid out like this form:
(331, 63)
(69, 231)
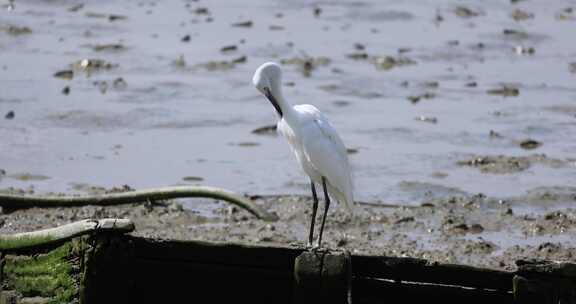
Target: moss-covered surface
(8, 242)
(52, 275)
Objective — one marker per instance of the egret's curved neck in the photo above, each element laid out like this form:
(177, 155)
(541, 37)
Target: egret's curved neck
(284, 105)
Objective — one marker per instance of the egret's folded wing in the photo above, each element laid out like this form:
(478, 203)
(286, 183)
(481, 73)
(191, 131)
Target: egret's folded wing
(327, 153)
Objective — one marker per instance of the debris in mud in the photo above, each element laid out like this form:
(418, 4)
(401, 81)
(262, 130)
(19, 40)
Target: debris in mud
(110, 17)
(28, 177)
(101, 85)
(494, 134)
(186, 38)
(530, 144)
(351, 151)
(522, 50)
(520, 15)
(92, 65)
(9, 115)
(497, 164)
(179, 62)
(14, 30)
(66, 90)
(265, 130)
(511, 164)
(465, 12)
(201, 11)
(119, 83)
(306, 64)
(480, 247)
(223, 65)
(358, 56)
(192, 179)
(317, 12)
(387, 62)
(416, 98)
(566, 14)
(515, 34)
(64, 74)
(429, 119)
(572, 67)
(245, 144)
(107, 47)
(248, 23)
(505, 91)
(76, 7)
(341, 103)
(228, 49)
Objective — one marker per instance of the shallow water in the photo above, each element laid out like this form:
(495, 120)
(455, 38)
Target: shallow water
(169, 122)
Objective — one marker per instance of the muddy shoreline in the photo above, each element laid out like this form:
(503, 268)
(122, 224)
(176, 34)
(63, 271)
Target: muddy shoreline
(472, 230)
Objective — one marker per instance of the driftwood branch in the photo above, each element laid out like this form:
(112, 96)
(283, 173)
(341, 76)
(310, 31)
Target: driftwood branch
(164, 193)
(62, 233)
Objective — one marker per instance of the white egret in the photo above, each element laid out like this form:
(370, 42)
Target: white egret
(316, 144)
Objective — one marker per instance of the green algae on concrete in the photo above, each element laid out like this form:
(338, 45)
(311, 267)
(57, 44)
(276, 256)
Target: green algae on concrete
(50, 275)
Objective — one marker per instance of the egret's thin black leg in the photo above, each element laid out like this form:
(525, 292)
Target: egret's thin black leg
(326, 206)
(314, 208)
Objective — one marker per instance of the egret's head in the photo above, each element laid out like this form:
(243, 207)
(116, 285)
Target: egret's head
(267, 80)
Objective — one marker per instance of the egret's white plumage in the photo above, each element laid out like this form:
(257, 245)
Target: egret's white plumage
(314, 141)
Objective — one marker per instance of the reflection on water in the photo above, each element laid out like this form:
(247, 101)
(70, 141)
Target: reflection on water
(186, 105)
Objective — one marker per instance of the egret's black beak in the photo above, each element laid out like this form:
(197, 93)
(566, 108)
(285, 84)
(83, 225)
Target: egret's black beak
(273, 100)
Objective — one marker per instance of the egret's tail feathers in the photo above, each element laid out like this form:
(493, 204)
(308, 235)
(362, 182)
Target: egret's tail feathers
(344, 199)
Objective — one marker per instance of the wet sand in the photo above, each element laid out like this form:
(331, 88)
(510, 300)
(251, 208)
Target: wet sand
(443, 103)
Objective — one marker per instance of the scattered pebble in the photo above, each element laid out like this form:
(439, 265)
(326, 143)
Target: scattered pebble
(10, 115)
(186, 38)
(119, 83)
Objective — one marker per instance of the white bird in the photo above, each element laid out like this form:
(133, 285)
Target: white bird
(316, 144)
